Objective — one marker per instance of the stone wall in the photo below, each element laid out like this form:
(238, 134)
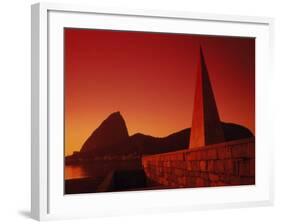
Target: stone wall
(224, 164)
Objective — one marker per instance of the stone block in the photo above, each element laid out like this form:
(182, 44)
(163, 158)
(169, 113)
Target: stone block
(173, 185)
(179, 172)
(202, 155)
(213, 184)
(211, 154)
(252, 167)
(185, 181)
(171, 157)
(189, 173)
(218, 184)
(193, 173)
(235, 180)
(224, 153)
(252, 151)
(247, 180)
(174, 163)
(195, 165)
(228, 166)
(203, 165)
(170, 178)
(225, 178)
(219, 166)
(181, 164)
(213, 177)
(178, 156)
(200, 182)
(191, 182)
(240, 151)
(160, 173)
(166, 170)
(188, 165)
(211, 166)
(244, 167)
(181, 181)
(191, 156)
(204, 175)
(236, 166)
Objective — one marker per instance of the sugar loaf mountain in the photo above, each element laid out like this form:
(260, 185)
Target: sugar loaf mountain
(111, 140)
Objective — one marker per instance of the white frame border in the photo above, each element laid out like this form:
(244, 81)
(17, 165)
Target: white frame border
(39, 95)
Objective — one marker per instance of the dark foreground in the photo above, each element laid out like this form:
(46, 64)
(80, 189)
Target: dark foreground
(118, 180)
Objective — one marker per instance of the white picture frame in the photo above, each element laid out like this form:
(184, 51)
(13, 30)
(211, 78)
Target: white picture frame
(48, 201)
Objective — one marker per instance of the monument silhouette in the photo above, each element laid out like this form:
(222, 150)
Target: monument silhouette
(206, 125)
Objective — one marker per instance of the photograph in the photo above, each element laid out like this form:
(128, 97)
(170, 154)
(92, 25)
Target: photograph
(154, 111)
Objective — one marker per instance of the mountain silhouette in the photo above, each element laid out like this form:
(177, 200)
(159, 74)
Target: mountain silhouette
(112, 130)
(111, 138)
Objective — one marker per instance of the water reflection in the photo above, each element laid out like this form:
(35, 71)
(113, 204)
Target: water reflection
(98, 169)
(74, 171)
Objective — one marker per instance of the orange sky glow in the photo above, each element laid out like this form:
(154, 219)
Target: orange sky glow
(150, 79)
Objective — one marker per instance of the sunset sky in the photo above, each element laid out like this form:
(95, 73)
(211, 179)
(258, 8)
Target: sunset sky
(150, 79)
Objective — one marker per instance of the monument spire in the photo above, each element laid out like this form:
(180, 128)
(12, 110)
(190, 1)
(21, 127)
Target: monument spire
(206, 126)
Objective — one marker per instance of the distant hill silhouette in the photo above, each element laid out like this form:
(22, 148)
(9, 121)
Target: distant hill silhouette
(111, 138)
(113, 130)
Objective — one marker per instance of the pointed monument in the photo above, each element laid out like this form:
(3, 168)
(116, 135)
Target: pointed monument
(206, 126)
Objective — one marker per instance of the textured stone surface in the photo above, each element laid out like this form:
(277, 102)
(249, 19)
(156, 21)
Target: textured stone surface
(224, 164)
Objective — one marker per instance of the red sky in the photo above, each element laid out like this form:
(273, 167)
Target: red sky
(150, 79)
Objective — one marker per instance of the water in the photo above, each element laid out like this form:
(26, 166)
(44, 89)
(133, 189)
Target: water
(74, 172)
(98, 169)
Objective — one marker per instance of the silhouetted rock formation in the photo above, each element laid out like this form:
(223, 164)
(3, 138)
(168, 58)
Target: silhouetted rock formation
(111, 139)
(145, 144)
(112, 131)
(234, 132)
